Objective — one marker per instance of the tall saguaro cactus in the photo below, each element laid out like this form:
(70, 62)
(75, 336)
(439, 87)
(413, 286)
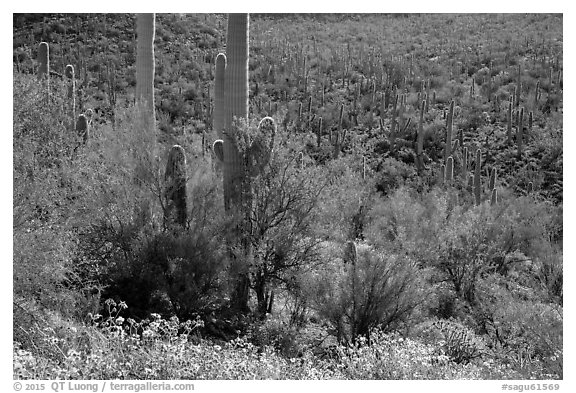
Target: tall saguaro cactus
(145, 27)
(235, 104)
(242, 154)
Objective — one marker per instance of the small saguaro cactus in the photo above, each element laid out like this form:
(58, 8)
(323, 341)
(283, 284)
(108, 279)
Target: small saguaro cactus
(420, 140)
(494, 197)
(509, 125)
(71, 94)
(175, 183)
(518, 86)
(464, 172)
(44, 61)
(477, 180)
(449, 126)
(301, 160)
(69, 73)
(82, 128)
(340, 134)
(520, 132)
(492, 180)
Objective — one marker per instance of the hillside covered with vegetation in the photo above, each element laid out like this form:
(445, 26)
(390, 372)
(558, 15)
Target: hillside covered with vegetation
(398, 213)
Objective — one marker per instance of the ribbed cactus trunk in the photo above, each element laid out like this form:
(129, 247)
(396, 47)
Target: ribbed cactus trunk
(420, 139)
(218, 122)
(235, 104)
(145, 26)
(43, 60)
(449, 127)
(519, 134)
(82, 128)
(236, 107)
(509, 124)
(449, 175)
(44, 68)
(477, 180)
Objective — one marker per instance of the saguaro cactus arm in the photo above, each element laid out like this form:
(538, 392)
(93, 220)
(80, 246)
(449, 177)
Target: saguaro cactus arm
(218, 148)
(219, 95)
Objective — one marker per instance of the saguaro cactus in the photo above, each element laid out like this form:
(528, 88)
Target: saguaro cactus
(518, 91)
(43, 60)
(494, 197)
(492, 181)
(520, 132)
(449, 125)
(449, 170)
(509, 125)
(477, 173)
(145, 26)
(243, 154)
(235, 104)
(175, 180)
(82, 128)
(464, 168)
(420, 139)
(71, 94)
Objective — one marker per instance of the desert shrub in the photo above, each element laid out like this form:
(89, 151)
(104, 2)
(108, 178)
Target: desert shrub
(343, 200)
(170, 273)
(464, 243)
(131, 245)
(393, 174)
(523, 332)
(278, 334)
(454, 339)
(47, 201)
(378, 290)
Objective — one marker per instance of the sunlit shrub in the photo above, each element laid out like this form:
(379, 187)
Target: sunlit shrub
(378, 290)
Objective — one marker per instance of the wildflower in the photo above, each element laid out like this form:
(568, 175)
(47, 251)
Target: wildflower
(119, 321)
